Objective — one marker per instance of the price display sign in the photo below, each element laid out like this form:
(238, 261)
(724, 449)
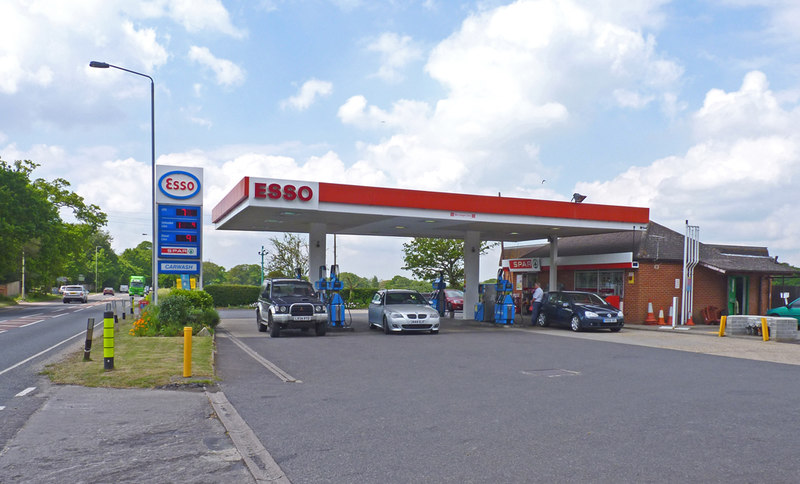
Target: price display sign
(179, 231)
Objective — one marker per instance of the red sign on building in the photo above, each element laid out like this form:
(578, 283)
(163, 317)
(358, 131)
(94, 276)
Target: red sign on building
(524, 265)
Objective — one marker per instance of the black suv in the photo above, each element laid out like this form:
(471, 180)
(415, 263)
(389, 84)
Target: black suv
(289, 304)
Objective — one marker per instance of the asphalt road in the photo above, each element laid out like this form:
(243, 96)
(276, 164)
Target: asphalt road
(507, 404)
(31, 335)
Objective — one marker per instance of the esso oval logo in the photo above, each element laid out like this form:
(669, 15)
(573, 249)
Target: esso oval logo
(288, 192)
(179, 185)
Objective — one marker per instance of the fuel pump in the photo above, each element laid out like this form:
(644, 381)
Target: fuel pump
(439, 299)
(504, 304)
(329, 289)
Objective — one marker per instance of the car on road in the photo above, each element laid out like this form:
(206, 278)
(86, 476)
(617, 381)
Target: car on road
(75, 293)
(402, 310)
(289, 304)
(579, 310)
(791, 310)
(108, 291)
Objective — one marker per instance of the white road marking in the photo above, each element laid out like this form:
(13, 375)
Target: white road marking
(25, 392)
(46, 350)
(31, 324)
(2, 408)
(263, 361)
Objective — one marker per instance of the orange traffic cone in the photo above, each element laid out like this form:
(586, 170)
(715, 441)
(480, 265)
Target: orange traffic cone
(669, 319)
(661, 317)
(689, 322)
(651, 318)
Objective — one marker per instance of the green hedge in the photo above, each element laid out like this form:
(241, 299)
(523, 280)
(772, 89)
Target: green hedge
(227, 295)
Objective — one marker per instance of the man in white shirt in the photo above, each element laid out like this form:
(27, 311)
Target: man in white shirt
(536, 303)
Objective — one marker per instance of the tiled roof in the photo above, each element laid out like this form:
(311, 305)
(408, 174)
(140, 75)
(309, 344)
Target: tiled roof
(658, 243)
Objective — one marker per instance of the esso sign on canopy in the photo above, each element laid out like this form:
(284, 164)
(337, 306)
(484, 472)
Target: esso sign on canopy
(179, 185)
(285, 193)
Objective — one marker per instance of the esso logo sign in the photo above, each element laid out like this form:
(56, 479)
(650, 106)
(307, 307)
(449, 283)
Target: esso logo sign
(179, 185)
(287, 192)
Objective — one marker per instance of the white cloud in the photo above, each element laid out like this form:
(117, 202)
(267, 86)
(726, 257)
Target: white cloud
(199, 15)
(308, 94)
(738, 182)
(143, 45)
(396, 52)
(227, 73)
(513, 73)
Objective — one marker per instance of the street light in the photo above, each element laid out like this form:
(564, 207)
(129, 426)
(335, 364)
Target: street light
(105, 65)
(95, 266)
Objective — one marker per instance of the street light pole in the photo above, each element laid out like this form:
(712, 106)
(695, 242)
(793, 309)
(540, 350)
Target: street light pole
(95, 267)
(262, 254)
(105, 65)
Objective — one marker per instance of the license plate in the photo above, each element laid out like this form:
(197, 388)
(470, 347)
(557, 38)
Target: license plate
(610, 320)
(302, 318)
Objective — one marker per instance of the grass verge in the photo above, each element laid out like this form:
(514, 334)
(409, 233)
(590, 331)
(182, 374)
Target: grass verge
(139, 362)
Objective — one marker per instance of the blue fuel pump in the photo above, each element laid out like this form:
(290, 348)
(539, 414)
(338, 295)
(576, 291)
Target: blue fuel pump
(439, 301)
(504, 305)
(329, 289)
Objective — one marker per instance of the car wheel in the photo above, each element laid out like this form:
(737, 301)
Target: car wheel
(262, 328)
(615, 330)
(274, 330)
(321, 329)
(541, 320)
(385, 326)
(575, 324)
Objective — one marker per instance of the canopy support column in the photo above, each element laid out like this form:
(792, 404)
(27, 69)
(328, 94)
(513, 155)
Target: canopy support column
(553, 283)
(317, 238)
(472, 270)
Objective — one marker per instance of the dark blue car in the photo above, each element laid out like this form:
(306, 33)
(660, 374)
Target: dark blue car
(579, 311)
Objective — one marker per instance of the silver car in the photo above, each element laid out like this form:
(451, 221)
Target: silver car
(398, 310)
(75, 293)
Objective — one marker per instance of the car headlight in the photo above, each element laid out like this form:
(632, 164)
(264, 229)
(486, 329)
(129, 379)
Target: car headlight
(619, 314)
(591, 314)
(283, 309)
(433, 315)
(319, 308)
(396, 315)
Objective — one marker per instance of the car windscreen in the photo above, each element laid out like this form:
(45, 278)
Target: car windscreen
(405, 298)
(454, 293)
(588, 298)
(292, 288)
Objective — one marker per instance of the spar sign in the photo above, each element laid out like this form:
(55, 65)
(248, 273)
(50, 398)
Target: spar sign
(524, 265)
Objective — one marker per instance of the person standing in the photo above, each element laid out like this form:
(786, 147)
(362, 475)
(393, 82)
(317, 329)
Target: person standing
(536, 304)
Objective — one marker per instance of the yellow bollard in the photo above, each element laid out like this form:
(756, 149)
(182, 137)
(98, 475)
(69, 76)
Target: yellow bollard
(108, 340)
(722, 322)
(764, 329)
(187, 351)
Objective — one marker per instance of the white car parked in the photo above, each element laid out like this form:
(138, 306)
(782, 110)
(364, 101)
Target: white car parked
(399, 310)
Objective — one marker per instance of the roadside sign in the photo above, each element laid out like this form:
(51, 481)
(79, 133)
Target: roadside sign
(183, 267)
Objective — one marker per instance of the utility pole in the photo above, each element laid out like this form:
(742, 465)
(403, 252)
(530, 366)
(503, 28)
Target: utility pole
(262, 254)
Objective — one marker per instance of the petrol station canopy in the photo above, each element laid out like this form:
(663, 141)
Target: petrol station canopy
(265, 204)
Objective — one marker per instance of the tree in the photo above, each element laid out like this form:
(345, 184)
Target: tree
(352, 281)
(287, 255)
(247, 274)
(401, 282)
(426, 257)
(213, 273)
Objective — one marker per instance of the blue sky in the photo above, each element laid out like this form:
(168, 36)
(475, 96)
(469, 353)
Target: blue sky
(689, 108)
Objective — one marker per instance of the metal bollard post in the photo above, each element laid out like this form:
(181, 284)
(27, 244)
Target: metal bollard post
(87, 348)
(187, 351)
(108, 340)
(131, 304)
(764, 329)
(722, 322)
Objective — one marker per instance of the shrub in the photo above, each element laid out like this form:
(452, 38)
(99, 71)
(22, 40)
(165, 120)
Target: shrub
(176, 310)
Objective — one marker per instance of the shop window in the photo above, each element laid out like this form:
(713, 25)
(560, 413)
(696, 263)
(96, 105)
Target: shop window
(605, 283)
